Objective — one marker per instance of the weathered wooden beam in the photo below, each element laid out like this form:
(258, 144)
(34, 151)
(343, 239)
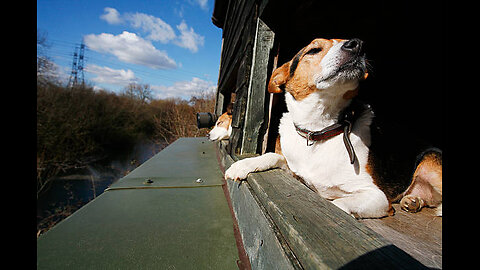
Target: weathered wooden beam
(237, 34)
(313, 233)
(239, 106)
(219, 103)
(219, 98)
(255, 111)
(265, 246)
(321, 235)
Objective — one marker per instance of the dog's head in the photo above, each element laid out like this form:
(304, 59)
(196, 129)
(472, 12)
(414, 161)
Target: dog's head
(332, 66)
(223, 126)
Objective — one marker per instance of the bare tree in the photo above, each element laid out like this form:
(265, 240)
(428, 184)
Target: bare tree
(46, 70)
(138, 91)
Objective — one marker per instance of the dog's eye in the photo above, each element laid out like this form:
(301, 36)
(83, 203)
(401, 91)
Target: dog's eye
(219, 122)
(314, 51)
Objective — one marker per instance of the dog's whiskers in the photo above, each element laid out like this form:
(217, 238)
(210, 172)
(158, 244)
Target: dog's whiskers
(369, 66)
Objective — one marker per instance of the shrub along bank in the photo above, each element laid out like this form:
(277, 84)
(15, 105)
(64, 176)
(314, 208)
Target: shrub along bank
(77, 126)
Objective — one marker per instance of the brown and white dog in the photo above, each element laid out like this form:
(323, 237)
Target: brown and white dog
(320, 84)
(223, 127)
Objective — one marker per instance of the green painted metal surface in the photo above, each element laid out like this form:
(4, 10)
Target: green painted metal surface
(173, 222)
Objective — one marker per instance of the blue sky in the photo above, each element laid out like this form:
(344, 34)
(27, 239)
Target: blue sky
(170, 45)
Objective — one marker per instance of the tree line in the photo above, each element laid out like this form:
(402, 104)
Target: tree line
(79, 125)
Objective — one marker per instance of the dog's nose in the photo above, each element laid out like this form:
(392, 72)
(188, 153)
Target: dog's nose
(353, 45)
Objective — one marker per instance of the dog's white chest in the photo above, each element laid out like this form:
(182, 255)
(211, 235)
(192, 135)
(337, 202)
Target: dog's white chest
(325, 165)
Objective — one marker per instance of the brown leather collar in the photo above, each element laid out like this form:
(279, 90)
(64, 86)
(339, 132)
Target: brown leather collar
(324, 134)
(344, 125)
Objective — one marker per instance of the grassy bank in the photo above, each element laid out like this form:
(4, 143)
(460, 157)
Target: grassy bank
(77, 126)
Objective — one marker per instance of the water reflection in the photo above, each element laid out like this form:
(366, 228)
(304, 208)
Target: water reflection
(73, 189)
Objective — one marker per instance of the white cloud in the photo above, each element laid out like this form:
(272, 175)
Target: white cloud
(188, 38)
(112, 16)
(183, 89)
(130, 48)
(158, 29)
(111, 76)
(202, 4)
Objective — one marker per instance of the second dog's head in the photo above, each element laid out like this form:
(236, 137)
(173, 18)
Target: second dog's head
(332, 66)
(223, 126)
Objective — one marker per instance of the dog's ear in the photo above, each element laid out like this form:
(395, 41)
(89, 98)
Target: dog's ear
(229, 108)
(279, 79)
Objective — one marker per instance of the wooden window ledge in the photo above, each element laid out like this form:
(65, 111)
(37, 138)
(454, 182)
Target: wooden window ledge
(284, 225)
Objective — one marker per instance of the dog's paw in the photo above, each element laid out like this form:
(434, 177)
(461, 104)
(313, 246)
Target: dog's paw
(239, 170)
(411, 203)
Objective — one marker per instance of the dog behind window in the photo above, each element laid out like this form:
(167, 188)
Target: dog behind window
(223, 127)
(329, 139)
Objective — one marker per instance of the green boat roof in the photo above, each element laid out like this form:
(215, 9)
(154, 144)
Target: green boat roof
(169, 213)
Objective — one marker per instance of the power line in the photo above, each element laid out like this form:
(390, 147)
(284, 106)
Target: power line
(78, 64)
(70, 43)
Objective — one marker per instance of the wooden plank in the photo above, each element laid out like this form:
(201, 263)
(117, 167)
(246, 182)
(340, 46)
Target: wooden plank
(237, 36)
(255, 110)
(219, 99)
(219, 103)
(261, 239)
(271, 130)
(229, 45)
(418, 234)
(239, 106)
(241, 12)
(321, 235)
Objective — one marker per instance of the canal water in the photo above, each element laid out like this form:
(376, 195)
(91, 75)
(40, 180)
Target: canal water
(73, 189)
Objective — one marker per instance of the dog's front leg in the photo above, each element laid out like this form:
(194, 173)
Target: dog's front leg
(240, 169)
(367, 203)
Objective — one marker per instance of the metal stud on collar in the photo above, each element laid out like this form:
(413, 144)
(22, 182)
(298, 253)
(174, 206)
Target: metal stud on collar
(309, 135)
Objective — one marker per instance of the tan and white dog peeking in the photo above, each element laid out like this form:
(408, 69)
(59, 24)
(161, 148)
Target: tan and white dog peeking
(326, 137)
(223, 126)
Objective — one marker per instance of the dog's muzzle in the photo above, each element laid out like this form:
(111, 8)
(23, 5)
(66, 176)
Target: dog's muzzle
(355, 66)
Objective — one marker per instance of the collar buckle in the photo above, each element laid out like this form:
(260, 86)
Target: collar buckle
(309, 138)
